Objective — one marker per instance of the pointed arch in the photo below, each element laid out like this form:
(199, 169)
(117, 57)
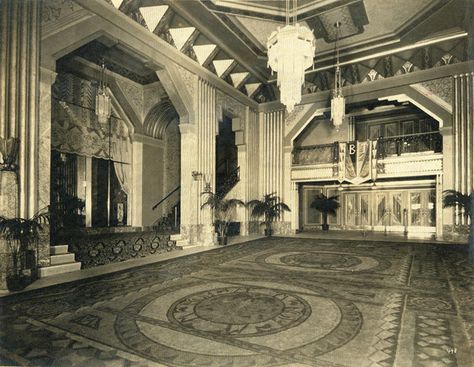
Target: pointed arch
(159, 118)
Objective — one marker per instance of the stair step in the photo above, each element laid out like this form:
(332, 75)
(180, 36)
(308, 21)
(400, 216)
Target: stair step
(62, 259)
(59, 269)
(59, 249)
(176, 237)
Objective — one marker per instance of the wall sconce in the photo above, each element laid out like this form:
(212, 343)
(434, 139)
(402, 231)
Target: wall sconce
(197, 176)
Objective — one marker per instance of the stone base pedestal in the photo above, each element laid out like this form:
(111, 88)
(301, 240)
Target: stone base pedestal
(198, 235)
(8, 209)
(5, 261)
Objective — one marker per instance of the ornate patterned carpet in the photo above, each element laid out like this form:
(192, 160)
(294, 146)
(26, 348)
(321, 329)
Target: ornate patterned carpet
(272, 302)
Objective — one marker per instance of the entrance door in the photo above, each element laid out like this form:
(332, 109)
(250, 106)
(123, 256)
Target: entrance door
(422, 208)
(357, 210)
(311, 217)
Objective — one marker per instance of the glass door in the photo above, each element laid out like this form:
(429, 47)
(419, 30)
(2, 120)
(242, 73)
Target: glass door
(311, 217)
(422, 208)
(364, 209)
(351, 210)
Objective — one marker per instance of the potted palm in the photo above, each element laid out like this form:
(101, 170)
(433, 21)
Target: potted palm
(21, 236)
(453, 198)
(223, 211)
(325, 205)
(270, 207)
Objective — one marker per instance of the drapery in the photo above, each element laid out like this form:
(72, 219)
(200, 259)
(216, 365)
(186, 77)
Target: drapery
(76, 130)
(120, 150)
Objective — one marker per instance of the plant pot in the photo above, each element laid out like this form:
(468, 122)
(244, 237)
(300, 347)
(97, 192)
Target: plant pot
(17, 282)
(222, 240)
(325, 227)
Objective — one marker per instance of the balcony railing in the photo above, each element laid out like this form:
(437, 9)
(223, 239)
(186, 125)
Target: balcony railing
(414, 143)
(395, 145)
(316, 154)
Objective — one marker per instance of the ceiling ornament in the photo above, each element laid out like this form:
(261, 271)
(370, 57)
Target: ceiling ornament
(338, 103)
(181, 35)
(290, 52)
(251, 88)
(203, 52)
(103, 104)
(117, 3)
(222, 66)
(153, 15)
(239, 78)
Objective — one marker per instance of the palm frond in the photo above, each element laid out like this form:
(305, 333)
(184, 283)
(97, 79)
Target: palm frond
(453, 198)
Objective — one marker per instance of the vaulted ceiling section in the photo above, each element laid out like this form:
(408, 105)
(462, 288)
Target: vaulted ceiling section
(379, 39)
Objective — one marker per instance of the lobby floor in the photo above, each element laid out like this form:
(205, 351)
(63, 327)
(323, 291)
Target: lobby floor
(268, 302)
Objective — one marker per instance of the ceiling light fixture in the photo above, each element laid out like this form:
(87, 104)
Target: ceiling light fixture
(290, 52)
(338, 103)
(103, 105)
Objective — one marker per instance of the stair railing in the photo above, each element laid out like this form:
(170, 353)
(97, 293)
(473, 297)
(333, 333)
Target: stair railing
(165, 198)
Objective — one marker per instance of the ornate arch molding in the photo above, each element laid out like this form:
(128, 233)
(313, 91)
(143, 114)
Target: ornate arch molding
(159, 118)
(401, 94)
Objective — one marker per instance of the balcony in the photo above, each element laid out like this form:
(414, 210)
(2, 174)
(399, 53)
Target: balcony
(356, 162)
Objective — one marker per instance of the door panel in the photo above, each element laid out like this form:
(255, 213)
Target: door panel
(351, 209)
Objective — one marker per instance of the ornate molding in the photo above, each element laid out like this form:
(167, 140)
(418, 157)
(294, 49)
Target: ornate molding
(412, 165)
(312, 173)
(134, 94)
(226, 103)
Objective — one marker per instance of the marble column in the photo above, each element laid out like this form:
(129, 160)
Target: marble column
(20, 117)
(206, 149)
(189, 202)
(290, 190)
(463, 139)
(272, 162)
(447, 178)
(137, 185)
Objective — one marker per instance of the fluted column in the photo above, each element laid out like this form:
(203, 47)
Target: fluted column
(463, 138)
(271, 145)
(19, 118)
(274, 173)
(189, 201)
(19, 97)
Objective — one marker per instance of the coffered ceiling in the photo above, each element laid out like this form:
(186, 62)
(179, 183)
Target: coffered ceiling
(378, 39)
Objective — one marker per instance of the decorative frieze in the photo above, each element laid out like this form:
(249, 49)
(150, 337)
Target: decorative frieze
(313, 173)
(413, 165)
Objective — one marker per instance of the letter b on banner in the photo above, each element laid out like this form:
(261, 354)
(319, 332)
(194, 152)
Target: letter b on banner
(352, 149)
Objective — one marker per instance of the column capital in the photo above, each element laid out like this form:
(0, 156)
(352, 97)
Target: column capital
(446, 130)
(47, 75)
(187, 128)
(287, 149)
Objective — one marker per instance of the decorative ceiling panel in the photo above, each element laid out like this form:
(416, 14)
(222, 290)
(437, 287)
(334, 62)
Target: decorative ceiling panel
(228, 37)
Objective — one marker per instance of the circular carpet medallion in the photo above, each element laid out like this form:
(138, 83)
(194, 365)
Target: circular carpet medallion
(240, 311)
(324, 261)
(321, 260)
(236, 325)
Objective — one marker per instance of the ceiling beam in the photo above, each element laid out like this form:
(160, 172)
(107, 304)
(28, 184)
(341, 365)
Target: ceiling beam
(111, 23)
(208, 24)
(371, 90)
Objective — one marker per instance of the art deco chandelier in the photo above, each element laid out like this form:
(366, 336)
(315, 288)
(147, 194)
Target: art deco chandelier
(290, 52)
(103, 105)
(338, 104)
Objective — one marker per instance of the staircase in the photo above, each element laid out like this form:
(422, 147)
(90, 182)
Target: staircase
(226, 182)
(62, 261)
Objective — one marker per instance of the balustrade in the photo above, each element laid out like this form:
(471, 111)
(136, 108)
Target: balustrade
(414, 143)
(396, 145)
(316, 154)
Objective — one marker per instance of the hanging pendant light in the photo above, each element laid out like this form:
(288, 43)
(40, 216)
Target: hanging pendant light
(338, 103)
(290, 52)
(103, 105)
